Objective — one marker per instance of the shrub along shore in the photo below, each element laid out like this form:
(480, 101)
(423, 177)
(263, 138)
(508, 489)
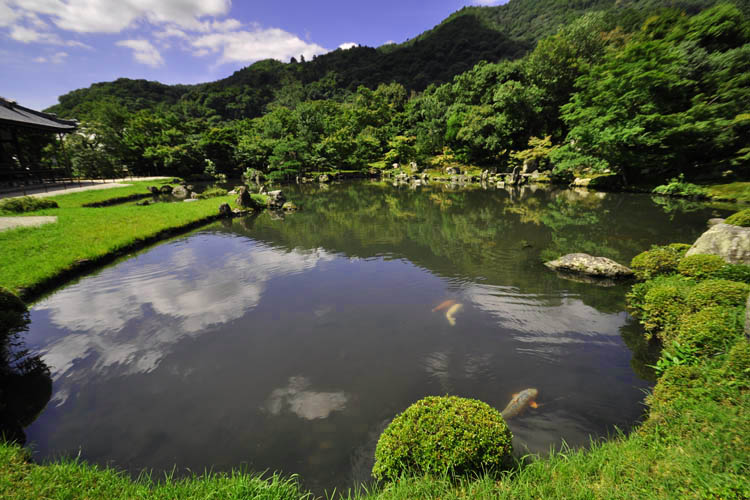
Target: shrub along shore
(693, 442)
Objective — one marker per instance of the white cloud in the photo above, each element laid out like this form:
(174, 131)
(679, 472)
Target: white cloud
(56, 58)
(254, 45)
(144, 52)
(113, 16)
(348, 45)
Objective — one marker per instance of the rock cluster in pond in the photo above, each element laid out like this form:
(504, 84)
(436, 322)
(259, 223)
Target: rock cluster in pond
(583, 263)
(276, 200)
(731, 243)
(180, 192)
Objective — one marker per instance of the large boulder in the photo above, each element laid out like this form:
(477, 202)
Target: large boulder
(583, 263)
(731, 243)
(165, 189)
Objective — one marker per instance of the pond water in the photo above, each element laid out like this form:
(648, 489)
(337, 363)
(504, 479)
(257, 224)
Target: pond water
(289, 343)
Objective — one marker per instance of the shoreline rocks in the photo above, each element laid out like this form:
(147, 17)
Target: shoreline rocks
(582, 263)
(731, 243)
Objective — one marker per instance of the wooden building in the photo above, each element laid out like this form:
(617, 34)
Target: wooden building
(19, 124)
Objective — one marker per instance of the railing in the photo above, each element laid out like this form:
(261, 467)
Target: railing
(24, 181)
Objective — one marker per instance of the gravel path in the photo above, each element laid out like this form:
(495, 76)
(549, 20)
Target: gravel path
(54, 190)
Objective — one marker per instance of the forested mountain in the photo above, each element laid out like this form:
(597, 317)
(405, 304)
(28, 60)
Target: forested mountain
(468, 36)
(627, 87)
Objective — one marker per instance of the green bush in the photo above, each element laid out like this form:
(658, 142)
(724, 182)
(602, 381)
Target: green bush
(679, 187)
(711, 330)
(26, 204)
(741, 218)
(700, 266)
(737, 363)
(212, 192)
(657, 261)
(717, 293)
(663, 305)
(443, 435)
(733, 272)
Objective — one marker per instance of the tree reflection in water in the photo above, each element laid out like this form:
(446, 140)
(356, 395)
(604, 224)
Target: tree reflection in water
(25, 382)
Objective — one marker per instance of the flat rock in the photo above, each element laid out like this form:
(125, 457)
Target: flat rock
(583, 263)
(731, 243)
(25, 221)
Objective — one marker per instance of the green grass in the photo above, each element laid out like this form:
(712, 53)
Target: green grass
(71, 479)
(98, 195)
(34, 255)
(694, 441)
(735, 191)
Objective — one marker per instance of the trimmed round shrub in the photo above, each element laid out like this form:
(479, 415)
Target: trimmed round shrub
(737, 363)
(717, 293)
(441, 435)
(733, 272)
(711, 330)
(679, 248)
(664, 304)
(700, 266)
(655, 262)
(741, 218)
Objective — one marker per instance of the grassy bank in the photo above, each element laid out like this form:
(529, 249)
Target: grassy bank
(37, 257)
(694, 441)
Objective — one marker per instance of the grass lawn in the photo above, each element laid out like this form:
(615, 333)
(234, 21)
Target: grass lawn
(735, 191)
(694, 441)
(37, 255)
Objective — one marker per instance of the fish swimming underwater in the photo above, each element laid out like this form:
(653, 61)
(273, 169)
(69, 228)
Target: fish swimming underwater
(444, 305)
(450, 314)
(519, 402)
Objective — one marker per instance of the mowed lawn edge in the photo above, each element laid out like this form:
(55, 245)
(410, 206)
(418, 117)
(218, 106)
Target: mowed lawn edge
(35, 259)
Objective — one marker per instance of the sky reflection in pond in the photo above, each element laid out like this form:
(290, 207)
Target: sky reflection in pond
(289, 343)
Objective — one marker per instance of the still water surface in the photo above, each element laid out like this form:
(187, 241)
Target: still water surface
(289, 343)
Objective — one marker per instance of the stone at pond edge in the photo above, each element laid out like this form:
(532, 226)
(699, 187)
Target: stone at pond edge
(153, 189)
(244, 200)
(289, 207)
(276, 199)
(225, 210)
(582, 263)
(731, 243)
(165, 189)
(180, 192)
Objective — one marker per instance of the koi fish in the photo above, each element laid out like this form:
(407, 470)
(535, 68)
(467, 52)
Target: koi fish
(444, 305)
(519, 402)
(450, 314)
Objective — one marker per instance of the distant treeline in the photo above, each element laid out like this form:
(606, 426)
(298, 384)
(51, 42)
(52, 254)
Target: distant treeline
(637, 90)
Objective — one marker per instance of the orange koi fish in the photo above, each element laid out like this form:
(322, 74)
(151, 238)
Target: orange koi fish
(444, 305)
(519, 402)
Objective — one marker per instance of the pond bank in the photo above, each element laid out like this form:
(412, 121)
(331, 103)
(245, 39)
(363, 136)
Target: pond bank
(654, 461)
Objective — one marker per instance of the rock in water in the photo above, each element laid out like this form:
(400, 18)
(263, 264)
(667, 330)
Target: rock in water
(731, 243)
(276, 199)
(583, 263)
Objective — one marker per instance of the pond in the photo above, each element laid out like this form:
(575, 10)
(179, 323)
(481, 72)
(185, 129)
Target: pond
(287, 343)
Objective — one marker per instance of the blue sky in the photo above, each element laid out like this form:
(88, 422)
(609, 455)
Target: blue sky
(49, 47)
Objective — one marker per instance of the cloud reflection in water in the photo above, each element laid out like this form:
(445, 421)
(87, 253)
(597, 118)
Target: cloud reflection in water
(128, 318)
(304, 403)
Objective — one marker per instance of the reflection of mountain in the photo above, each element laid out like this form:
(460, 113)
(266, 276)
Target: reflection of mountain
(215, 281)
(499, 237)
(25, 383)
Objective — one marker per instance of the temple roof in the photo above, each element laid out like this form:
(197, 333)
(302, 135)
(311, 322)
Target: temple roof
(13, 114)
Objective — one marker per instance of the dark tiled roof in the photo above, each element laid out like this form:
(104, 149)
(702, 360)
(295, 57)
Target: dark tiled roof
(13, 114)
